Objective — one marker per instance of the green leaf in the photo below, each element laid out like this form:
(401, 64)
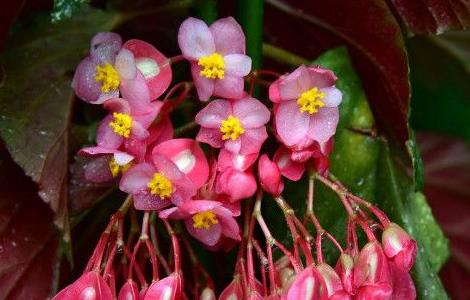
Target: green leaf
(64, 9)
(36, 97)
(363, 162)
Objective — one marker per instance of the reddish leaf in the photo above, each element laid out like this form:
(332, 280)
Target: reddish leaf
(447, 181)
(434, 16)
(373, 37)
(28, 241)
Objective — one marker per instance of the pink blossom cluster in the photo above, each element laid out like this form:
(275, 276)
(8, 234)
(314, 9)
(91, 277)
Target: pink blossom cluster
(201, 180)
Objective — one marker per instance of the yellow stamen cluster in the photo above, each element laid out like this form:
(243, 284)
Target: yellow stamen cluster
(160, 186)
(231, 128)
(121, 124)
(108, 77)
(311, 100)
(204, 220)
(116, 169)
(213, 66)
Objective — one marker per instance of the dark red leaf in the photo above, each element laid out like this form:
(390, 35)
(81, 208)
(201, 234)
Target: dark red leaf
(28, 240)
(447, 181)
(436, 16)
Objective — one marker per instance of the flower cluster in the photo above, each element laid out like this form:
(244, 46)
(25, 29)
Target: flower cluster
(201, 181)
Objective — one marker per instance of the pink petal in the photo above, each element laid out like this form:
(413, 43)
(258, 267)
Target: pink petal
(233, 146)
(152, 64)
(151, 112)
(97, 170)
(96, 150)
(323, 124)
(84, 83)
(144, 200)
(104, 46)
(167, 167)
(294, 84)
(252, 140)
(251, 112)
(274, 94)
(125, 65)
(204, 86)
(291, 124)
(237, 64)
(229, 225)
(122, 158)
(333, 96)
(129, 291)
(228, 36)
(137, 93)
(209, 236)
(138, 131)
(171, 213)
(168, 288)
(238, 185)
(188, 157)
(135, 147)
(136, 178)
(214, 113)
(230, 87)
(105, 96)
(195, 206)
(195, 39)
(89, 286)
(269, 176)
(240, 162)
(117, 105)
(105, 136)
(289, 168)
(211, 136)
(321, 78)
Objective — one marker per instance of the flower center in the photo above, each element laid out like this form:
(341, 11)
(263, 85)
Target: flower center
(160, 186)
(116, 168)
(121, 124)
(231, 128)
(204, 220)
(108, 77)
(311, 100)
(213, 66)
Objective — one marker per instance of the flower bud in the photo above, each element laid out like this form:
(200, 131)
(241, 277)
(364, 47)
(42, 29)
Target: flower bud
(129, 291)
(233, 291)
(372, 269)
(399, 246)
(382, 291)
(332, 282)
(403, 286)
(308, 285)
(168, 288)
(90, 286)
(269, 176)
(207, 294)
(344, 268)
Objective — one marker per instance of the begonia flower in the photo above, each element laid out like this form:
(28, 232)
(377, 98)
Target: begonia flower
(89, 286)
(188, 157)
(157, 184)
(238, 126)
(129, 291)
(288, 167)
(217, 56)
(306, 103)
(168, 288)
(308, 285)
(333, 283)
(269, 176)
(399, 246)
(206, 220)
(107, 167)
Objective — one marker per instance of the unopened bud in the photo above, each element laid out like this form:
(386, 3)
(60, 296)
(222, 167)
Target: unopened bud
(399, 246)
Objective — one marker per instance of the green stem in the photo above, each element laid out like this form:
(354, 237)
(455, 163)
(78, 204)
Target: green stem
(250, 15)
(283, 56)
(206, 10)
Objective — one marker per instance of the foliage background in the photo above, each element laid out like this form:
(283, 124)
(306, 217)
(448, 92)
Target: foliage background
(49, 215)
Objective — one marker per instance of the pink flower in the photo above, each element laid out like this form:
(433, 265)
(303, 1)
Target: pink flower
(188, 157)
(217, 56)
(106, 168)
(306, 103)
(156, 185)
(89, 286)
(403, 286)
(129, 291)
(333, 283)
(153, 65)
(345, 269)
(399, 246)
(308, 285)
(236, 177)
(168, 288)
(207, 221)
(269, 176)
(289, 168)
(238, 126)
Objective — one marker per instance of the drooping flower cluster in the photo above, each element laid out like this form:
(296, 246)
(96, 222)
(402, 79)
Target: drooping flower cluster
(202, 181)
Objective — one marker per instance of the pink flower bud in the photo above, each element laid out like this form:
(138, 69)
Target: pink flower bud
(344, 268)
(90, 286)
(233, 291)
(309, 285)
(236, 184)
(382, 291)
(168, 288)
(129, 291)
(332, 282)
(372, 268)
(269, 176)
(399, 246)
(207, 294)
(403, 286)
